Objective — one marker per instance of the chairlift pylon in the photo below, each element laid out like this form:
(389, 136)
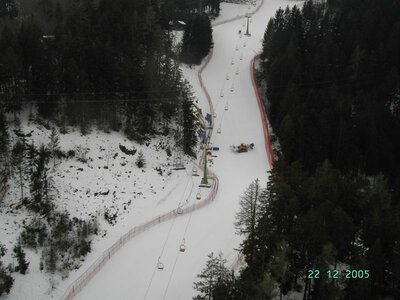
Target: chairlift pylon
(241, 56)
(198, 195)
(227, 76)
(219, 130)
(232, 88)
(237, 71)
(221, 94)
(226, 106)
(232, 62)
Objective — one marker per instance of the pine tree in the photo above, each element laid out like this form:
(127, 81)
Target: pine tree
(41, 185)
(51, 259)
(18, 160)
(265, 289)
(19, 254)
(4, 154)
(214, 280)
(249, 213)
(279, 265)
(54, 145)
(4, 138)
(188, 123)
(140, 161)
(6, 281)
(197, 39)
(31, 154)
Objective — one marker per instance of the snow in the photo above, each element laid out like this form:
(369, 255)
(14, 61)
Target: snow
(134, 194)
(131, 273)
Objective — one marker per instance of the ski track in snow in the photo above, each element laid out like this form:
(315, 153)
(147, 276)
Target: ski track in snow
(131, 272)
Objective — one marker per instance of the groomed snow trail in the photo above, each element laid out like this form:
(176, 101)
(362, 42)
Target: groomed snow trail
(132, 273)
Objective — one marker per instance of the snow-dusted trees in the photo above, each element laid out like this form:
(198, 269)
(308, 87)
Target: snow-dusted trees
(140, 161)
(4, 154)
(250, 209)
(4, 138)
(18, 161)
(19, 254)
(189, 137)
(214, 279)
(54, 145)
(6, 281)
(41, 184)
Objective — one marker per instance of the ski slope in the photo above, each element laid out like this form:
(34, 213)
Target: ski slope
(131, 273)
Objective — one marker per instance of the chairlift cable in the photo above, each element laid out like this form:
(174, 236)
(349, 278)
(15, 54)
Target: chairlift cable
(172, 223)
(177, 255)
(170, 276)
(151, 280)
(165, 243)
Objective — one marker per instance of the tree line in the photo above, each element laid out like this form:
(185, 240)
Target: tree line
(332, 74)
(301, 222)
(104, 63)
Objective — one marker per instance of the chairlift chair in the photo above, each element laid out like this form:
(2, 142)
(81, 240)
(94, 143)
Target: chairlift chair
(182, 247)
(160, 265)
(194, 172)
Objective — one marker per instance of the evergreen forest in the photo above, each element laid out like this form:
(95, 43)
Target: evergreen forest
(332, 202)
(104, 63)
(107, 65)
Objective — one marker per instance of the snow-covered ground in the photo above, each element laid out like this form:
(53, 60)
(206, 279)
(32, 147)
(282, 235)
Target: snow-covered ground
(134, 195)
(132, 272)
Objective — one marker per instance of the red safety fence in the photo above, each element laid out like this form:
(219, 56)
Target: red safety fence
(267, 139)
(267, 135)
(84, 279)
(96, 266)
